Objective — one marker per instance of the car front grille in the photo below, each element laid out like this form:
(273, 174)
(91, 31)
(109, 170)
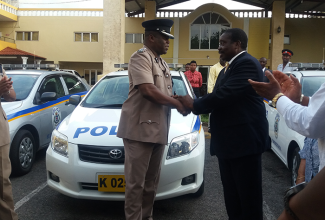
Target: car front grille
(101, 154)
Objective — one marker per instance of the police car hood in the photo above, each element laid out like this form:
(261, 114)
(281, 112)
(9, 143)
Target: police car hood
(9, 107)
(91, 126)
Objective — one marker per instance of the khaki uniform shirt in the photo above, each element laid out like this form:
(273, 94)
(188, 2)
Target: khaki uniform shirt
(213, 75)
(4, 126)
(141, 119)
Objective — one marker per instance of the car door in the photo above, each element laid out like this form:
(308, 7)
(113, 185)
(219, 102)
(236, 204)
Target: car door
(51, 111)
(274, 118)
(74, 87)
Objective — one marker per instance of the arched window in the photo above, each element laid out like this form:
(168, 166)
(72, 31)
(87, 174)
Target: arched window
(206, 30)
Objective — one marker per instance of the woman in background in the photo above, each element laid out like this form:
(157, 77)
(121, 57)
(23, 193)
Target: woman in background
(195, 78)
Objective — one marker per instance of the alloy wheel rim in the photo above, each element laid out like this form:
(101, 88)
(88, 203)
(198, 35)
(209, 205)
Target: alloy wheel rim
(26, 151)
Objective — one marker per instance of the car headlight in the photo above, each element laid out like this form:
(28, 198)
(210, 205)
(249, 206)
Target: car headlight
(183, 145)
(59, 143)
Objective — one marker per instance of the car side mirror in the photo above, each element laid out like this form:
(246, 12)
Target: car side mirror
(74, 100)
(48, 96)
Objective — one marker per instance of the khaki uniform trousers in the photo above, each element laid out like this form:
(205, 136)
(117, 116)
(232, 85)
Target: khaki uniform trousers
(6, 201)
(142, 172)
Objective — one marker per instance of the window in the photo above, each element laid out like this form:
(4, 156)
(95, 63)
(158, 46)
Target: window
(73, 84)
(286, 39)
(206, 30)
(52, 84)
(85, 37)
(27, 35)
(134, 38)
(91, 76)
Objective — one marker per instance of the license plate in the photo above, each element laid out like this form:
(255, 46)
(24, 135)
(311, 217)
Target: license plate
(111, 183)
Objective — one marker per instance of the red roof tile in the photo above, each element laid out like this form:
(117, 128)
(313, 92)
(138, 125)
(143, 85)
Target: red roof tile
(8, 51)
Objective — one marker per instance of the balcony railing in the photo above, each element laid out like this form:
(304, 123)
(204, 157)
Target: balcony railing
(238, 13)
(7, 39)
(6, 6)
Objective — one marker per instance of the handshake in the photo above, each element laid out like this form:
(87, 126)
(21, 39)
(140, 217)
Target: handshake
(184, 104)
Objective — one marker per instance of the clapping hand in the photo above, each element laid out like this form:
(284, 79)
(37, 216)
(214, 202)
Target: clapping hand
(290, 85)
(5, 85)
(279, 82)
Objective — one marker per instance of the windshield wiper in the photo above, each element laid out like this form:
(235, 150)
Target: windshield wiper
(105, 106)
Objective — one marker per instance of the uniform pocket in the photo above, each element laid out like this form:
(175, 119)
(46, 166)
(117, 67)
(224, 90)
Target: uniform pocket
(146, 118)
(158, 80)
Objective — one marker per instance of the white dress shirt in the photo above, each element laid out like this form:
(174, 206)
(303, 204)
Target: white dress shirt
(308, 121)
(236, 56)
(287, 68)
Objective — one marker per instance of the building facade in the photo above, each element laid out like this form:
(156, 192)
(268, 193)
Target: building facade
(74, 38)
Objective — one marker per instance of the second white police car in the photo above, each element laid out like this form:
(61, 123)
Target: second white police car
(285, 142)
(86, 160)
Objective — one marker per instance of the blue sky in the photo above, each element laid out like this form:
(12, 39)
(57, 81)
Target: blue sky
(192, 4)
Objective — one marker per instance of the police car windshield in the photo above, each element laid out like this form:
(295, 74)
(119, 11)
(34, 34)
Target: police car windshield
(22, 84)
(112, 91)
(310, 84)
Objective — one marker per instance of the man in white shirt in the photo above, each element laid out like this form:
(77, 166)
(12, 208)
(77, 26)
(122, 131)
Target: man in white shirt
(286, 56)
(263, 62)
(213, 75)
(305, 115)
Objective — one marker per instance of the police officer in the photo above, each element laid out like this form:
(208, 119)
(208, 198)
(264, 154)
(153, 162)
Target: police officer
(145, 119)
(6, 201)
(286, 56)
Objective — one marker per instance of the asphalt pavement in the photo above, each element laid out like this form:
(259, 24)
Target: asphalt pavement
(34, 200)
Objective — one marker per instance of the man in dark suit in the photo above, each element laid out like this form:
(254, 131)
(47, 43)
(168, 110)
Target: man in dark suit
(263, 62)
(239, 129)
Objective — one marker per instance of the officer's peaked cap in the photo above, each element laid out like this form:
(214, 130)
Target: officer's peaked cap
(161, 25)
(286, 51)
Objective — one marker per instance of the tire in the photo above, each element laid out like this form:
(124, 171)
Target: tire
(295, 163)
(199, 192)
(22, 153)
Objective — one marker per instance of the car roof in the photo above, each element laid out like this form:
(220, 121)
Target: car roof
(125, 73)
(34, 72)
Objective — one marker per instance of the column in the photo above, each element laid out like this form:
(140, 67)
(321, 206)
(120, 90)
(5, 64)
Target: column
(24, 61)
(150, 10)
(277, 35)
(39, 63)
(113, 34)
(176, 40)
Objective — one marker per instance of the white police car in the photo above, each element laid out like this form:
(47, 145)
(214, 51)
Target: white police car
(41, 104)
(285, 142)
(86, 160)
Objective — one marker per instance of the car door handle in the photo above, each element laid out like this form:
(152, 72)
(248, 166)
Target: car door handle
(67, 103)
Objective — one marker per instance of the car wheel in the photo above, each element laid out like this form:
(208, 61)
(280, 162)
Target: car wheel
(199, 192)
(22, 152)
(295, 163)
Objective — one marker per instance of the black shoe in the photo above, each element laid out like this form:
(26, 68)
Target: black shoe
(209, 131)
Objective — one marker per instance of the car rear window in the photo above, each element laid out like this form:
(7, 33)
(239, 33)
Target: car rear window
(112, 91)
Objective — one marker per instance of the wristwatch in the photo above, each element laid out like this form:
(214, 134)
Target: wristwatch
(288, 194)
(275, 99)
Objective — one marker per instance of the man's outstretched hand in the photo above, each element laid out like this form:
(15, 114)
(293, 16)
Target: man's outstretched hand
(279, 82)
(266, 90)
(187, 102)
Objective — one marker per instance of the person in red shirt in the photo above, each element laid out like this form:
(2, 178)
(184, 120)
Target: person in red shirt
(195, 78)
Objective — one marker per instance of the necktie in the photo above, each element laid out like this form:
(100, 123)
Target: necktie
(227, 65)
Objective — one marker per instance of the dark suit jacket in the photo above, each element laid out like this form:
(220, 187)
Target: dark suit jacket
(265, 79)
(238, 118)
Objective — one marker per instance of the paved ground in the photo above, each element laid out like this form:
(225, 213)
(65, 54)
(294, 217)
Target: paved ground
(34, 200)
